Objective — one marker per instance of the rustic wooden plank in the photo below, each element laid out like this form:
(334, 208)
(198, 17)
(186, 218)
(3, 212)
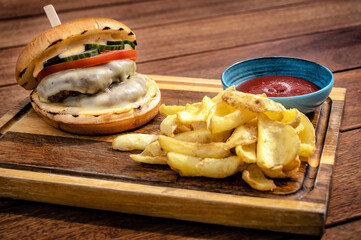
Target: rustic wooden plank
(352, 114)
(17, 8)
(10, 96)
(148, 14)
(165, 202)
(349, 230)
(30, 219)
(211, 34)
(345, 196)
(338, 50)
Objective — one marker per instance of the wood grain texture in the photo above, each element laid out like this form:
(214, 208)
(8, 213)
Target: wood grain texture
(147, 14)
(337, 50)
(352, 114)
(345, 201)
(10, 96)
(13, 9)
(30, 219)
(10, 9)
(175, 203)
(350, 230)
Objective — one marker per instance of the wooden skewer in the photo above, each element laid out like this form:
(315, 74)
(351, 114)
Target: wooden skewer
(52, 16)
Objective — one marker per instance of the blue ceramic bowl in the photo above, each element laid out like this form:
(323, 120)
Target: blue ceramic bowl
(295, 67)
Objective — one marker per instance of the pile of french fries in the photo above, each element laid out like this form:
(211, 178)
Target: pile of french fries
(229, 133)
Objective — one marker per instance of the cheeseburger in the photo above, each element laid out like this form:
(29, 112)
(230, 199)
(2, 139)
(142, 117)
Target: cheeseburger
(84, 80)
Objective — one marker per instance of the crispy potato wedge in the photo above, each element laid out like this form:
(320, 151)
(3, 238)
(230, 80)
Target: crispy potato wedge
(307, 137)
(275, 172)
(291, 117)
(194, 113)
(133, 141)
(204, 150)
(198, 125)
(283, 172)
(154, 150)
(253, 103)
(221, 136)
(247, 152)
(170, 110)
(278, 143)
(152, 154)
(169, 125)
(244, 134)
(223, 117)
(200, 136)
(189, 166)
(256, 179)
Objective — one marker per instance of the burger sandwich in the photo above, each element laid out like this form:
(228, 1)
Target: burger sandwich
(84, 80)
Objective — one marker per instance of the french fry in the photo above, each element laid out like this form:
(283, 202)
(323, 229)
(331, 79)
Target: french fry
(170, 110)
(223, 117)
(154, 150)
(133, 141)
(307, 137)
(256, 179)
(244, 134)
(169, 125)
(196, 114)
(253, 103)
(291, 117)
(189, 166)
(204, 150)
(278, 143)
(221, 136)
(152, 154)
(247, 152)
(200, 136)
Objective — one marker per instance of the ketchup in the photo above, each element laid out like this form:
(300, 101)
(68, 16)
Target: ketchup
(278, 86)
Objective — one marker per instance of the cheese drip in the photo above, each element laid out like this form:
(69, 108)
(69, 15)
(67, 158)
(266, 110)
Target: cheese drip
(114, 84)
(119, 95)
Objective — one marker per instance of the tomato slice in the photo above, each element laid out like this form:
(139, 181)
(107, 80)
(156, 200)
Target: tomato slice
(87, 62)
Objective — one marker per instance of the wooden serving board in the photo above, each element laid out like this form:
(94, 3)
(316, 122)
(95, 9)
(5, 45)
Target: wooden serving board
(41, 163)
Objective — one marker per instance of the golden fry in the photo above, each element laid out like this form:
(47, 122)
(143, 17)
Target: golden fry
(136, 141)
(256, 179)
(189, 166)
(204, 150)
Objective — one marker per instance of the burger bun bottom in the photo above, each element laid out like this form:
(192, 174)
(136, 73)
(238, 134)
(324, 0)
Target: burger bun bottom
(100, 124)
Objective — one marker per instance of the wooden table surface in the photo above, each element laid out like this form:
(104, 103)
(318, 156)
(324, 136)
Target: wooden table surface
(199, 39)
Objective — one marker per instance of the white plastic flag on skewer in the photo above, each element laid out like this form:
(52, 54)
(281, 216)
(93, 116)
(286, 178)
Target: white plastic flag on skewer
(52, 16)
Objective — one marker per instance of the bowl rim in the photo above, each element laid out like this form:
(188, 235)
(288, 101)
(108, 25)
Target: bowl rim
(321, 91)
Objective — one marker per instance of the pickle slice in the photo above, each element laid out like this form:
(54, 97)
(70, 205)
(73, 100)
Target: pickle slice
(85, 54)
(130, 43)
(57, 59)
(52, 61)
(104, 47)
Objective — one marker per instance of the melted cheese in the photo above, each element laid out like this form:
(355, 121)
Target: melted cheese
(120, 95)
(113, 85)
(86, 80)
